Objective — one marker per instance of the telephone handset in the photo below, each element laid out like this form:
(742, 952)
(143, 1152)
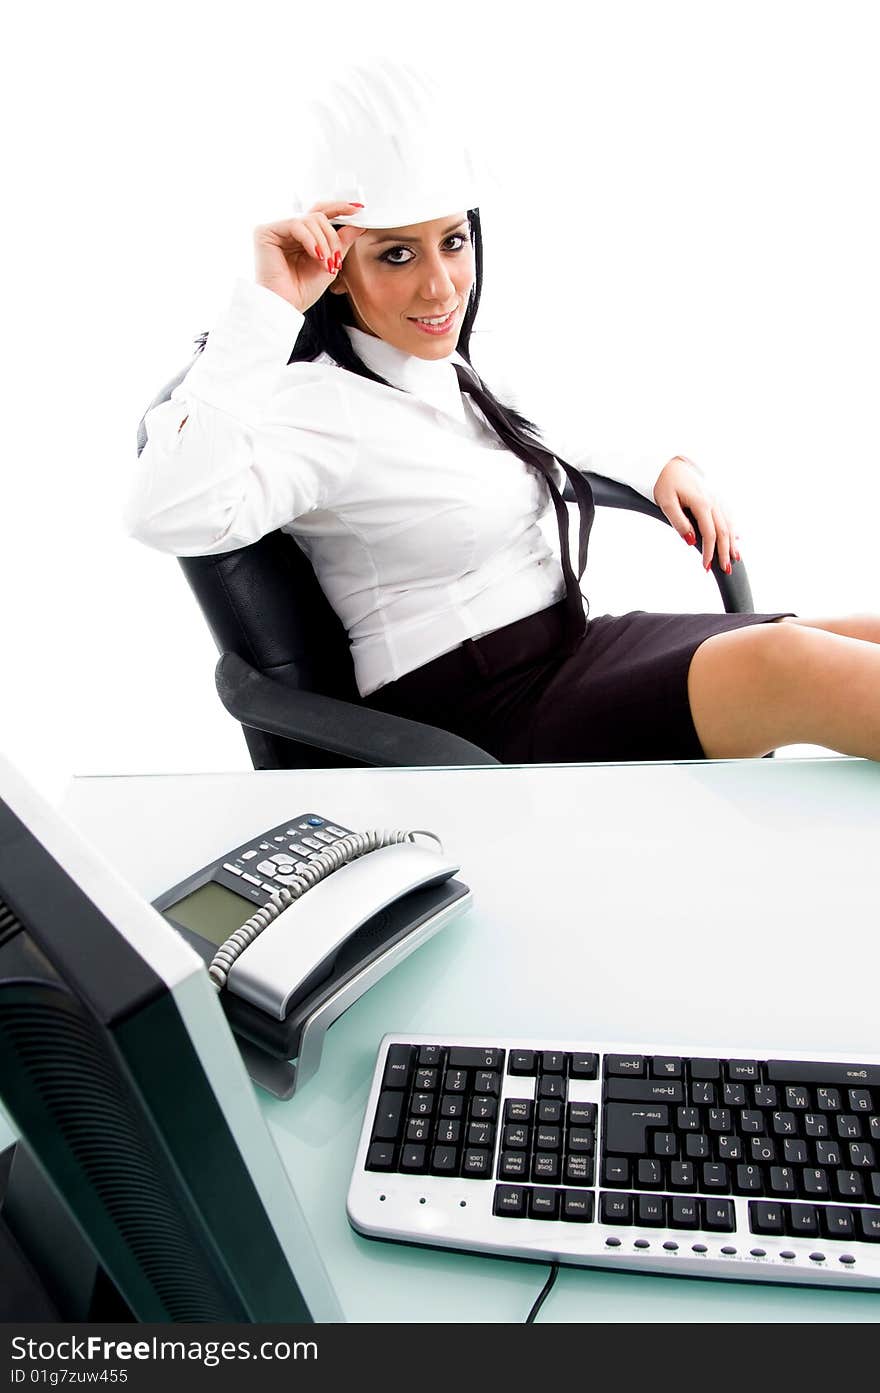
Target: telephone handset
(296, 924)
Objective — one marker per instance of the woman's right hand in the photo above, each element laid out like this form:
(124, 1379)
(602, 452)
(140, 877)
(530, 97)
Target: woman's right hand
(300, 257)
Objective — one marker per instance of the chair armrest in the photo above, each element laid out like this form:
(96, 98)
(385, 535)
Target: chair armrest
(373, 737)
(736, 593)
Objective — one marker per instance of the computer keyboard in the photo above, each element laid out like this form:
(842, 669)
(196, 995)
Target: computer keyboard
(705, 1163)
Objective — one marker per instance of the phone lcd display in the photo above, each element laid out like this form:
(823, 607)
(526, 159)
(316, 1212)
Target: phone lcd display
(212, 911)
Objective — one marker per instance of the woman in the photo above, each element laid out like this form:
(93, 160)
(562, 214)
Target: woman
(418, 495)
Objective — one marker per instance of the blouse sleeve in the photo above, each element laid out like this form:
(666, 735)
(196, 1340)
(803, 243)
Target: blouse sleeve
(245, 443)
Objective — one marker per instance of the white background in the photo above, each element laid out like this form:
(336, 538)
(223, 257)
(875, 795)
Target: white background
(682, 250)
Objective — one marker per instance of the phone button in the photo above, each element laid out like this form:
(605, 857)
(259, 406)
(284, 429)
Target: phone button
(254, 879)
(227, 866)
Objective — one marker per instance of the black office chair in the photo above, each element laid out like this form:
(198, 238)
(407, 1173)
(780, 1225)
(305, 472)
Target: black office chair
(285, 670)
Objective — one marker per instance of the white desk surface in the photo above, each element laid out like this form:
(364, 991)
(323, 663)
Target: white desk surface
(690, 903)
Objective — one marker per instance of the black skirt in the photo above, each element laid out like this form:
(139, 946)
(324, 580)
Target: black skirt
(621, 695)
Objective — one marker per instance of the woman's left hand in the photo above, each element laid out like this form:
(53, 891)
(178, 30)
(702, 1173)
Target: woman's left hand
(679, 486)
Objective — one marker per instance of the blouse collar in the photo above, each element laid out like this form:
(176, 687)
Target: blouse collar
(433, 380)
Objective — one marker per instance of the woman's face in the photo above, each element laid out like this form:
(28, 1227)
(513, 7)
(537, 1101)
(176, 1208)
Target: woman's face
(395, 277)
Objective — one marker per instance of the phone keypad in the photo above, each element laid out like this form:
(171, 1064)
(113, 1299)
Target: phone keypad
(281, 859)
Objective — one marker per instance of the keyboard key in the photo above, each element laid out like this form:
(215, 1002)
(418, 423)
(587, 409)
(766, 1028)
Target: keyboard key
(615, 1209)
(484, 1109)
(719, 1120)
(696, 1146)
(743, 1071)
(552, 1062)
(849, 1185)
(545, 1167)
(649, 1175)
(782, 1180)
(578, 1170)
(515, 1137)
(665, 1145)
(644, 1091)
(389, 1115)
(615, 1171)
(829, 1100)
(682, 1175)
(380, 1156)
(664, 1066)
(509, 1201)
(795, 1153)
(869, 1224)
(784, 1124)
(481, 1134)
(797, 1097)
(718, 1216)
(815, 1125)
(477, 1163)
(581, 1114)
(849, 1127)
(626, 1127)
(765, 1095)
(551, 1086)
(485, 1081)
(733, 1095)
(427, 1079)
(687, 1119)
(749, 1180)
(431, 1056)
(421, 1105)
(413, 1158)
(751, 1122)
(513, 1165)
(577, 1207)
(683, 1213)
(452, 1105)
(650, 1211)
(550, 1111)
(461, 1057)
(518, 1110)
(448, 1133)
(584, 1066)
(705, 1069)
(814, 1182)
(797, 1071)
(455, 1081)
(703, 1094)
(861, 1154)
(419, 1129)
(444, 1160)
(624, 1065)
(543, 1203)
(803, 1220)
(580, 1139)
(521, 1062)
(548, 1138)
(716, 1176)
(766, 1217)
(837, 1222)
(730, 1149)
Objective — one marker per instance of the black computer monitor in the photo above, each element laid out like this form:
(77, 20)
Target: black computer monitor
(136, 1119)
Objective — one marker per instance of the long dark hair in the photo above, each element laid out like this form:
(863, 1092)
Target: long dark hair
(324, 332)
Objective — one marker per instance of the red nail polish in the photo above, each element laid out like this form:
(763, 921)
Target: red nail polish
(727, 569)
(318, 253)
(691, 539)
(357, 205)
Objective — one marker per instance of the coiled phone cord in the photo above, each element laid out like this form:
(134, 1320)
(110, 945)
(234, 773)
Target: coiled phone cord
(346, 849)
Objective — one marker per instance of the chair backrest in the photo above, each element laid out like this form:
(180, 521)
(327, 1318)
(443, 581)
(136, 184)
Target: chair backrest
(264, 603)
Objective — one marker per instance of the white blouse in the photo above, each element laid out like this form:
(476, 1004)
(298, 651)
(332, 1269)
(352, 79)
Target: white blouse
(422, 528)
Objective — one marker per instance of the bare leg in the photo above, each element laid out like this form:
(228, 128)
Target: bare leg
(813, 682)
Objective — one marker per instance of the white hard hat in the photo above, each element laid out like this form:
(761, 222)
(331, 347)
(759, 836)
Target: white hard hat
(386, 137)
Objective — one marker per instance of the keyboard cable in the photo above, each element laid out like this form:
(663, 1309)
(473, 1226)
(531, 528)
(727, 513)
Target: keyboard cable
(543, 1294)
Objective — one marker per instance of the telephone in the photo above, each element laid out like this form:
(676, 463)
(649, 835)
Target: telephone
(296, 924)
